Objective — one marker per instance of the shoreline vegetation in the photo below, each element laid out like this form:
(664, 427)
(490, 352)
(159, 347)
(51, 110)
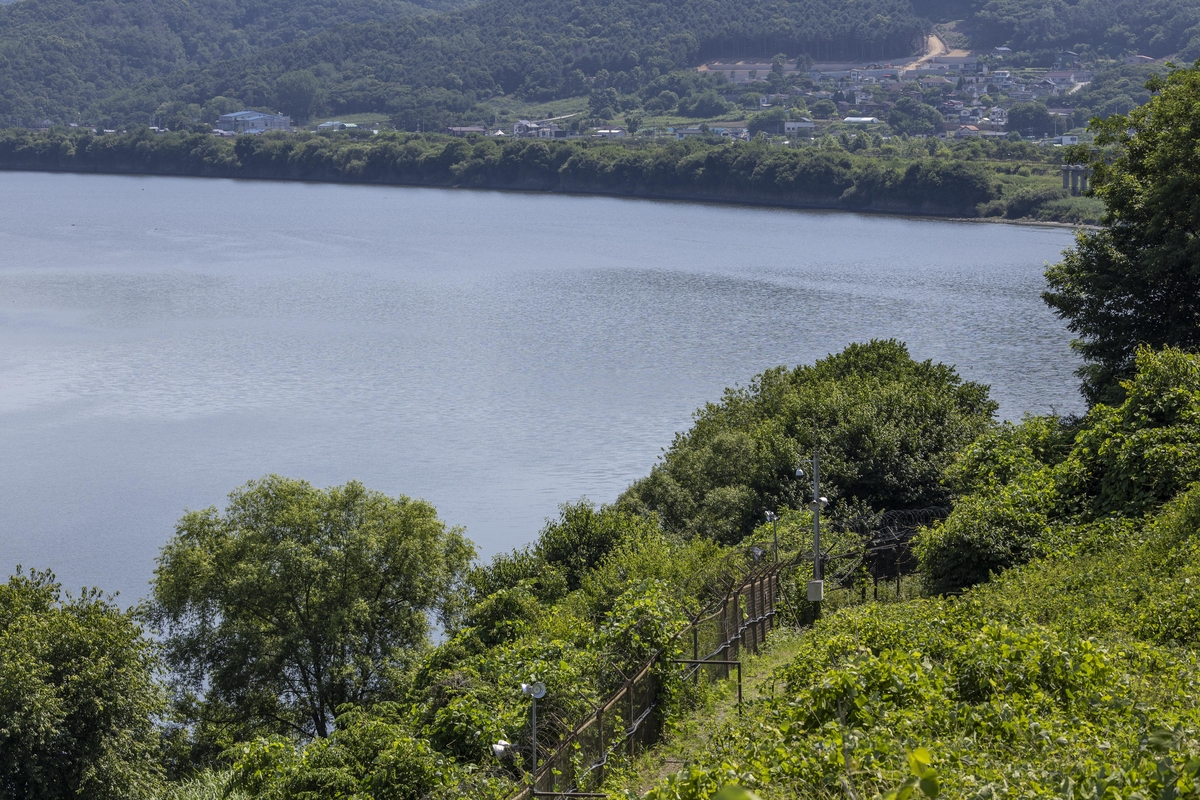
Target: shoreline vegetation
(971, 180)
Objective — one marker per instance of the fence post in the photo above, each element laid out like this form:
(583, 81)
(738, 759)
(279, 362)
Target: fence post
(696, 653)
(629, 725)
(738, 635)
(725, 633)
(752, 616)
(600, 729)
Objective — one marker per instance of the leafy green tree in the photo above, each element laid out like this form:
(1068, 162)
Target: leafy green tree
(1137, 280)
(704, 104)
(1031, 119)
(769, 121)
(603, 103)
(297, 600)
(370, 755)
(886, 427)
(824, 109)
(914, 118)
(78, 696)
(296, 93)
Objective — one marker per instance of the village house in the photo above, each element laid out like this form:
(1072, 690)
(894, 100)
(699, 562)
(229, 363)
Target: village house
(253, 122)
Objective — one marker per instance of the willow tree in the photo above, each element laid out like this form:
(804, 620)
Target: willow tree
(298, 600)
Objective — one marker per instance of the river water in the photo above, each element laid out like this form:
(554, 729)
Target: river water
(164, 340)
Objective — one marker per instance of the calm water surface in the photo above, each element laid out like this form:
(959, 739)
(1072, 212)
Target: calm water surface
(164, 340)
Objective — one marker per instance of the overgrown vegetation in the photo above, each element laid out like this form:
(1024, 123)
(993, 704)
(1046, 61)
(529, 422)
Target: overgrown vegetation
(885, 425)
(861, 173)
(1074, 675)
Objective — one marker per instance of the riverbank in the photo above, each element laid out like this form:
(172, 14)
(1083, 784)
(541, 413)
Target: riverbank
(759, 174)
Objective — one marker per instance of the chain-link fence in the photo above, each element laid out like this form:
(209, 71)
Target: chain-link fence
(630, 719)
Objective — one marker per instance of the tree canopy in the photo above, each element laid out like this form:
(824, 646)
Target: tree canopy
(297, 600)
(78, 696)
(1136, 281)
(885, 426)
(914, 118)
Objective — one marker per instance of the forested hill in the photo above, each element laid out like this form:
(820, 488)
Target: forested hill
(1108, 27)
(537, 48)
(59, 57)
(119, 61)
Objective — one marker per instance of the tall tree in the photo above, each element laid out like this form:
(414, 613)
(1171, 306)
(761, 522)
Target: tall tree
(297, 600)
(78, 696)
(1137, 279)
(296, 93)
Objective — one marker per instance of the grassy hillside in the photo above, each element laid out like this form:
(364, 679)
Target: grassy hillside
(1074, 675)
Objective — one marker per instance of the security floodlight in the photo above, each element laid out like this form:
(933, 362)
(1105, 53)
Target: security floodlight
(771, 516)
(819, 503)
(500, 748)
(536, 690)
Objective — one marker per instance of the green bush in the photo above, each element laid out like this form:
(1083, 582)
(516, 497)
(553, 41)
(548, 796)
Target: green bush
(369, 755)
(1017, 484)
(886, 427)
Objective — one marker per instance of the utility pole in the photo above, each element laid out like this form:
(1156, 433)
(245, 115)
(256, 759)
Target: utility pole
(773, 518)
(816, 587)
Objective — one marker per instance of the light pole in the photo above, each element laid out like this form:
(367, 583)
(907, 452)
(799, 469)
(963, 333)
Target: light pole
(816, 587)
(773, 518)
(536, 691)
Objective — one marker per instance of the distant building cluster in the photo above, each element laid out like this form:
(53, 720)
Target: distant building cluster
(972, 91)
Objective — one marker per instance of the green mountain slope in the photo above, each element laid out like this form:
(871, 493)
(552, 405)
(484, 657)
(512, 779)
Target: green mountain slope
(120, 61)
(58, 57)
(540, 49)
(1104, 27)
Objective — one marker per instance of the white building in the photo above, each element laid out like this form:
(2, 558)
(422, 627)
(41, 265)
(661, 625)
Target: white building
(798, 125)
(253, 122)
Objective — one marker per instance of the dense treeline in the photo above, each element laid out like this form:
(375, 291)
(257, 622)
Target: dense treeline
(1097, 27)
(119, 61)
(58, 57)
(886, 427)
(740, 172)
(538, 49)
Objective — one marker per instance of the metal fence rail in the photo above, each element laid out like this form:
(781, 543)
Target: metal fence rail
(629, 720)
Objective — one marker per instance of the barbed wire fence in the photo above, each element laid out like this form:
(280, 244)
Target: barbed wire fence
(880, 548)
(630, 719)
(746, 596)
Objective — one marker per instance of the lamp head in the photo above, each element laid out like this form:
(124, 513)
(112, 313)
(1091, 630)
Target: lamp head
(500, 748)
(536, 690)
(799, 474)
